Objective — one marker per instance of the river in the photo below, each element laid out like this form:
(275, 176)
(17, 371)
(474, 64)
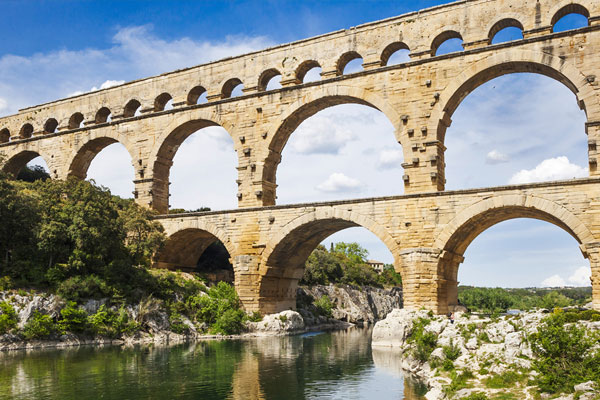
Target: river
(335, 365)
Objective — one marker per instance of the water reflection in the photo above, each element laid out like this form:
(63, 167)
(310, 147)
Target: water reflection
(327, 366)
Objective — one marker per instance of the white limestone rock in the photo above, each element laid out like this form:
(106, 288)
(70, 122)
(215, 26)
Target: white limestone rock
(275, 324)
(395, 328)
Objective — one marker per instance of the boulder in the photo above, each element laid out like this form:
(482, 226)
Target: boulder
(395, 328)
(276, 324)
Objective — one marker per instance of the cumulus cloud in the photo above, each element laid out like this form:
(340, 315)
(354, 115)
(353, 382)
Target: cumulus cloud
(105, 85)
(553, 281)
(389, 159)
(550, 170)
(340, 183)
(581, 277)
(496, 157)
(136, 53)
(320, 135)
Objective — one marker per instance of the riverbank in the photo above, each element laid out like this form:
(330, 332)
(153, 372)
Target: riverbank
(533, 355)
(44, 320)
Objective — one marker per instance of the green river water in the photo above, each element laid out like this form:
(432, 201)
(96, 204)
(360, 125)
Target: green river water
(336, 365)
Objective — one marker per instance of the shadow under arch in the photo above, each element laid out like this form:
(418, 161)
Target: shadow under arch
(85, 154)
(183, 249)
(299, 111)
(460, 232)
(498, 65)
(17, 162)
(283, 260)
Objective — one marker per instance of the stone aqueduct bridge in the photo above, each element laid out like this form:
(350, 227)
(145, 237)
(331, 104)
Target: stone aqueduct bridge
(427, 230)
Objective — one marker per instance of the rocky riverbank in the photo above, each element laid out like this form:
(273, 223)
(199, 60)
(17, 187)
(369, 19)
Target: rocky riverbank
(149, 322)
(492, 358)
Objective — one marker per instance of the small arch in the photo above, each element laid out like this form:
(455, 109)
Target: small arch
(390, 52)
(4, 135)
(197, 95)
(161, 101)
(231, 88)
(26, 131)
(346, 59)
(16, 163)
(446, 42)
(572, 8)
(50, 126)
(302, 72)
(132, 108)
(268, 79)
(76, 121)
(503, 26)
(103, 115)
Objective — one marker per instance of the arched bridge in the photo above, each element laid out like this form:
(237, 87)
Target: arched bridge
(427, 230)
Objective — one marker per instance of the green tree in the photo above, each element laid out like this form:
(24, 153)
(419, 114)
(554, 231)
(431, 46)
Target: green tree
(353, 252)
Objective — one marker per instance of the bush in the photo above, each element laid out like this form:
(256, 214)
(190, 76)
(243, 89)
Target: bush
(230, 322)
(39, 326)
(324, 306)
(255, 317)
(177, 324)
(109, 323)
(452, 352)
(563, 356)
(8, 317)
(73, 319)
(504, 380)
(425, 341)
(78, 287)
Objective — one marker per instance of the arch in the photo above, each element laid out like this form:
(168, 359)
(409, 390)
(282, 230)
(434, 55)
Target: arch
(344, 60)
(285, 254)
(16, 163)
(183, 249)
(75, 120)
(228, 87)
(460, 232)
(391, 49)
(308, 106)
(571, 8)
(304, 67)
(195, 94)
(50, 125)
(102, 115)
(161, 101)
(4, 135)
(85, 154)
(130, 108)
(503, 24)
(515, 61)
(265, 77)
(26, 131)
(443, 37)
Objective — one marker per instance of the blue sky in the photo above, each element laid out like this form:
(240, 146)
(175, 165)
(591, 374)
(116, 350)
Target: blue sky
(515, 129)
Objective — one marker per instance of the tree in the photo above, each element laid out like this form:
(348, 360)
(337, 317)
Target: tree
(33, 173)
(353, 251)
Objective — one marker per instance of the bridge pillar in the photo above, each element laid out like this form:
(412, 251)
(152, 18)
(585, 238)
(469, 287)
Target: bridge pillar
(421, 283)
(592, 252)
(423, 163)
(593, 132)
(247, 280)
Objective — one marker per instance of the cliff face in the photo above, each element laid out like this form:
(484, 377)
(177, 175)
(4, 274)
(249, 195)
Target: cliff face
(357, 305)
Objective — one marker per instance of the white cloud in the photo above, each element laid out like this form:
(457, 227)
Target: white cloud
(496, 157)
(107, 84)
(550, 170)
(136, 53)
(320, 135)
(553, 281)
(581, 277)
(389, 159)
(340, 183)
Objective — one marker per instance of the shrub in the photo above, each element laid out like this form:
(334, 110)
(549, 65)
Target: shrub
(73, 319)
(324, 306)
(476, 396)
(230, 322)
(504, 380)
(283, 318)
(255, 317)
(221, 298)
(8, 318)
(425, 341)
(459, 381)
(78, 287)
(177, 324)
(452, 351)
(563, 356)
(107, 322)
(39, 326)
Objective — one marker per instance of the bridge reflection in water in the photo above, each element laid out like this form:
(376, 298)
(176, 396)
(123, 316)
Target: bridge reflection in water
(329, 365)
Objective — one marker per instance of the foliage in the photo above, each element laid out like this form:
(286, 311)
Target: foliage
(451, 351)
(33, 173)
(39, 326)
(8, 317)
(109, 323)
(219, 308)
(497, 300)
(230, 322)
(458, 381)
(73, 319)
(324, 306)
(255, 317)
(476, 396)
(563, 353)
(425, 341)
(508, 379)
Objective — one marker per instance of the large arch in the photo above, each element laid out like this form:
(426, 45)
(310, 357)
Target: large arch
(84, 154)
(459, 233)
(515, 61)
(318, 100)
(15, 163)
(285, 254)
